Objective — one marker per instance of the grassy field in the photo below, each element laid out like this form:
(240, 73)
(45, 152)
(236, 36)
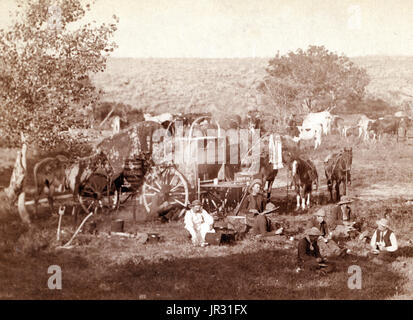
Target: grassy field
(102, 267)
(214, 85)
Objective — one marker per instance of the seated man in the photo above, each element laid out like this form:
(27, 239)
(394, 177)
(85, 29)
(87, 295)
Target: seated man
(339, 218)
(254, 208)
(309, 256)
(198, 222)
(255, 201)
(342, 212)
(328, 246)
(383, 242)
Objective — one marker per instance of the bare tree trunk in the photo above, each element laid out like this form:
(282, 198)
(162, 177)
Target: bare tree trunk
(14, 191)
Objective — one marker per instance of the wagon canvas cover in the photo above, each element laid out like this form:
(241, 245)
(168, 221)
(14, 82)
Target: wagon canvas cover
(130, 143)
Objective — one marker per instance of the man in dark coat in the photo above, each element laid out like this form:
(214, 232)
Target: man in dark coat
(325, 242)
(309, 256)
(254, 207)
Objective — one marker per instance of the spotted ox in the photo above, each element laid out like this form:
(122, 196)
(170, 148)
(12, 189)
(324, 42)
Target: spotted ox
(308, 133)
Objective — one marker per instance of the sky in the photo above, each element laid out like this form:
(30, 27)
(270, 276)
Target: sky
(253, 28)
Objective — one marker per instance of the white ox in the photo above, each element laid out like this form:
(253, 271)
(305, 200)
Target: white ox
(363, 125)
(323, 119)
(159, 118)
(313, 132)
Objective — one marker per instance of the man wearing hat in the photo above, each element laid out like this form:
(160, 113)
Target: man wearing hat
(254, 203)
(198, 222)
(343, 210)
(328, 246)
(255, 208)
(383, 242)
(309, 256)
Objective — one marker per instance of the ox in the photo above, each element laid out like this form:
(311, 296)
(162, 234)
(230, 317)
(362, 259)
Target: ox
(386, 125)
(363, 124)
(323, 119)
(165, 119)
(308, 133)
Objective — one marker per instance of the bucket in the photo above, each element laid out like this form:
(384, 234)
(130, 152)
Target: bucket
(117, 225)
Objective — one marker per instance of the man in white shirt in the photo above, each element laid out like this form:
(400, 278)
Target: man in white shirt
(383, 240)
(198, 222)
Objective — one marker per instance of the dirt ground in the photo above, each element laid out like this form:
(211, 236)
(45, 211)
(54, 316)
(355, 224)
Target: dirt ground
(113, 267)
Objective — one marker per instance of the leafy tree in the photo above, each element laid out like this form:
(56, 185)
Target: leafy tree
(316, 79)
(46, 57)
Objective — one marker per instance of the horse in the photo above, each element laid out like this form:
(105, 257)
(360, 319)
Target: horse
(304, 174)
(49, 176)
(337, 169)
(80, 171)
(58, 172)
(268, 174)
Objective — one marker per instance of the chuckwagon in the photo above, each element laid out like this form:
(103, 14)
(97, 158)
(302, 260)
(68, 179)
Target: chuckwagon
(176, 166)
(157, 165)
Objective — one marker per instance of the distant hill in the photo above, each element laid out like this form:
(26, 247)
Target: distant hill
(227, 85)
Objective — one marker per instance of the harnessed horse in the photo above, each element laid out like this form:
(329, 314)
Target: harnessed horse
(337, 169)
(58, 172)
(304, 174)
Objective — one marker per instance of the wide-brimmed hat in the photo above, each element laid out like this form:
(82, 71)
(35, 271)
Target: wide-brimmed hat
(383, 222)
(313, 232)
(255, 181)
(196, 203)
(344, 200)
(320, 213)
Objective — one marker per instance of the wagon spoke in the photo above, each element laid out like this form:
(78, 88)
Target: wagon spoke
(173, 180)
(153, 188)
(166, 176)
(181, 203)
(177, 186)
(158, 185)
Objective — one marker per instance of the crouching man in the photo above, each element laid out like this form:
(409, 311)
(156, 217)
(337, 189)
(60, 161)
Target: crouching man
(198, 222)
(326, 244)
(309, 257)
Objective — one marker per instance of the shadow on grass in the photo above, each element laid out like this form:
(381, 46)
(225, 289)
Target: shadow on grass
(264, 274)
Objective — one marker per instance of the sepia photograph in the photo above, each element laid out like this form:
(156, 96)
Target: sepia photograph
(214, 151)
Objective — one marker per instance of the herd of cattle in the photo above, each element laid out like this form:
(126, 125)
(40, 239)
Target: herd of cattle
(313, 125)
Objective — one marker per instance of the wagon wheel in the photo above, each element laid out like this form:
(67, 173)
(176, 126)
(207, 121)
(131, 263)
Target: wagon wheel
(213, 203)
(94, 195)
(170, 182)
